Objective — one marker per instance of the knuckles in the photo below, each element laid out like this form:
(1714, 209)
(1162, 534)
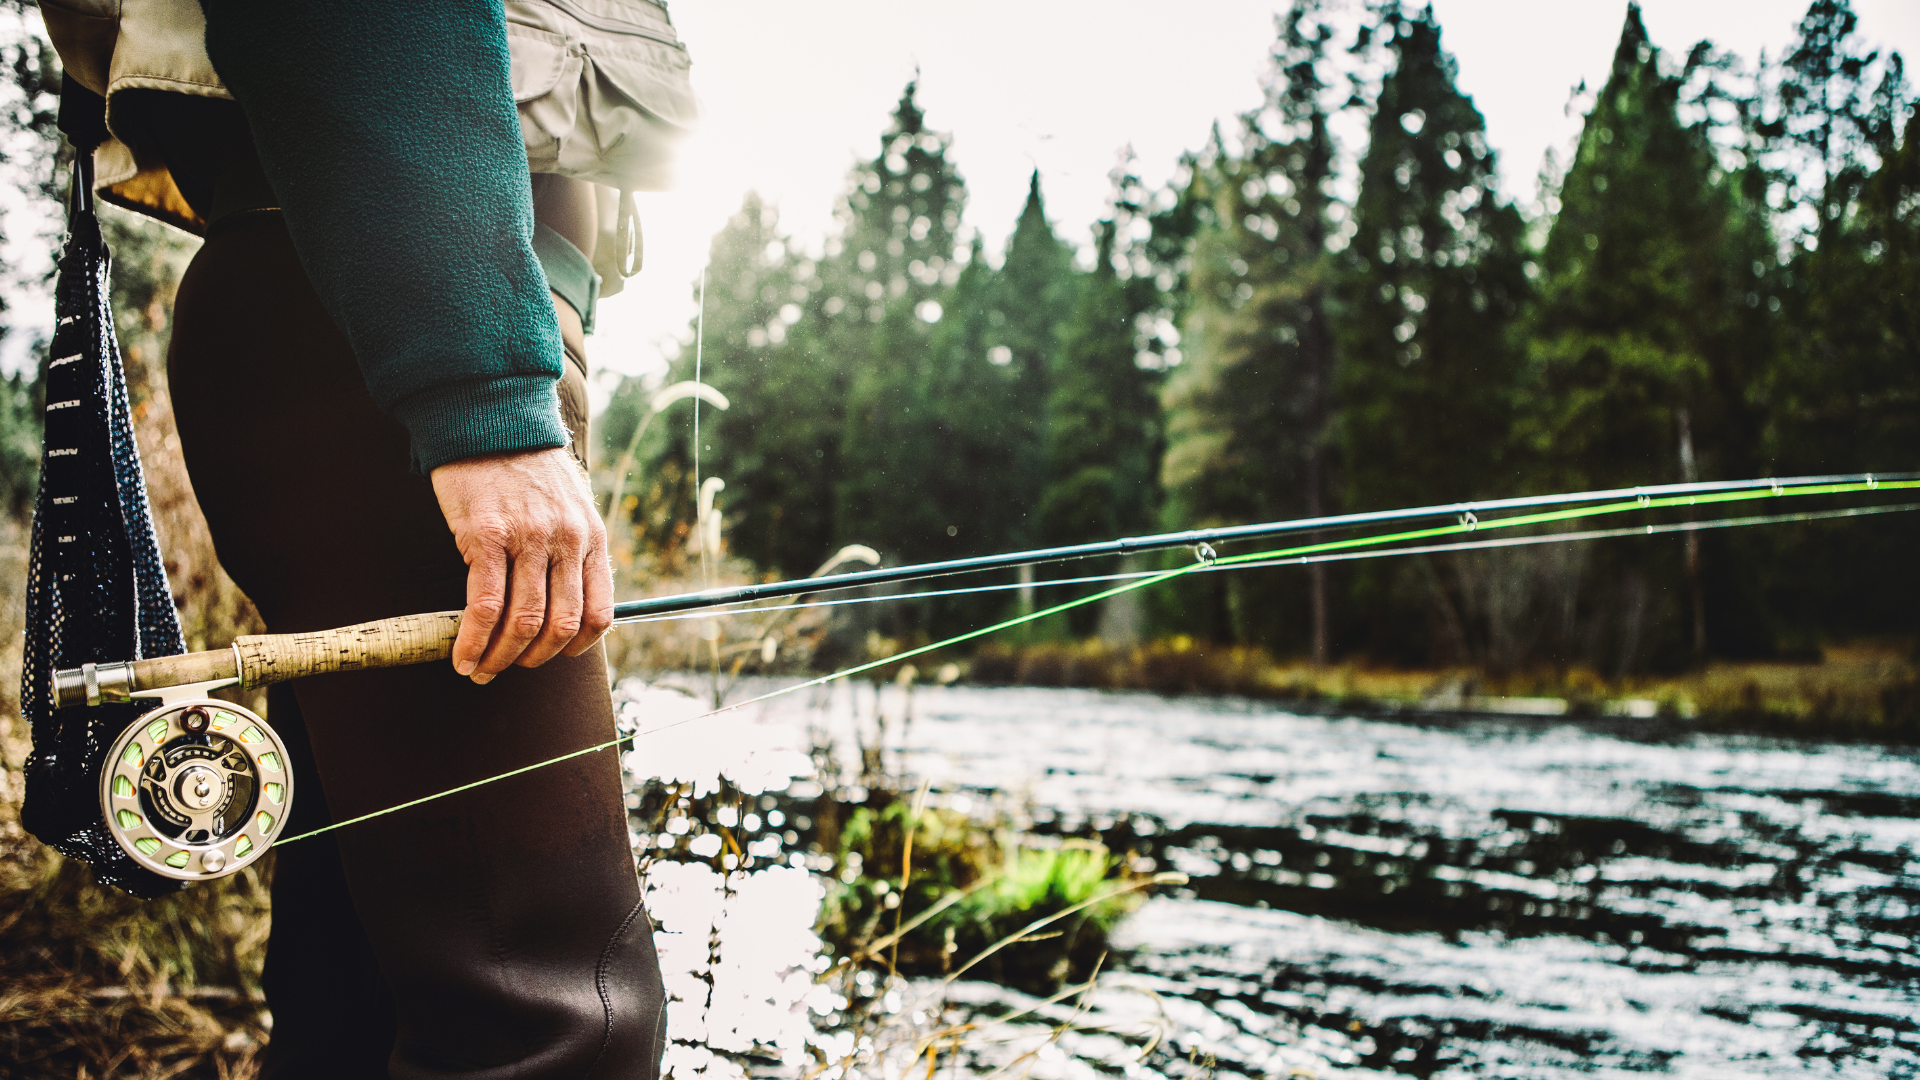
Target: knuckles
(487, 609)
(492, 533)
(525, 625)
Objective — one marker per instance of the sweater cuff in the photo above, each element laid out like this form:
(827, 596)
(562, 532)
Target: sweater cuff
(569, 272)
(490, 416)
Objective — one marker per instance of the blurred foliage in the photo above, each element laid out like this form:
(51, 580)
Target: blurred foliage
(97, 983)
(30, 150)
(1715, 286)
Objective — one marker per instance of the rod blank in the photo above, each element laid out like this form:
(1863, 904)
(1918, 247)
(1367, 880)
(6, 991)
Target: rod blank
(264, 659)
(774, 590)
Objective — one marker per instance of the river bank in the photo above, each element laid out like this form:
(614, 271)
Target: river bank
(1858, 691)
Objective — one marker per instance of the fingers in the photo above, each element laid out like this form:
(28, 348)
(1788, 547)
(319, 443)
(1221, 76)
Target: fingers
(538, 579)
(596, 575)
(525, 616)
(486, 599)
(562, 623)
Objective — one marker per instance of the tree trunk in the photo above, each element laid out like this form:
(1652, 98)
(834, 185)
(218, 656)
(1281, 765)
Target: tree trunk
(1690, 473)
(1316, 347)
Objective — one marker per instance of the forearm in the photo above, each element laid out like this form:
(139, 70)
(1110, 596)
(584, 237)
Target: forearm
(389, 135)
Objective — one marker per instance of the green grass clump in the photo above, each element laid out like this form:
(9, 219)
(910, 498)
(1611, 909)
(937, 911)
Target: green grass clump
(970, 885)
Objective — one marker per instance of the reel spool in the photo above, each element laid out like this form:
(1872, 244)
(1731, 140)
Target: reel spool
(199, 788)
(196, 789)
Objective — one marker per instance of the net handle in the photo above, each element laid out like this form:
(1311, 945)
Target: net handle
(257, 660)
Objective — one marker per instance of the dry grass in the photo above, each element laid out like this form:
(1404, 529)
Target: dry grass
(1863, 690)
(98, 984)
(1867, 690)
(92, 982)
(770, 639)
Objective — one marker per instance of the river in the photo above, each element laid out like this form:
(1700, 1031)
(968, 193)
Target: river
(1455, 897)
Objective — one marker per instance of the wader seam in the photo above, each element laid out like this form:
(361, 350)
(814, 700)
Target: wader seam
(600, 979)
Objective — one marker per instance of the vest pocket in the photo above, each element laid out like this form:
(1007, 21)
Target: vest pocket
(602, 89)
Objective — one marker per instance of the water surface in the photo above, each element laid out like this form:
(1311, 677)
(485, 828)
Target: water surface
(1490, 897)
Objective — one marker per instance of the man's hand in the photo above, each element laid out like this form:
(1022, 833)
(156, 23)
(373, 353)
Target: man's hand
(538, 579)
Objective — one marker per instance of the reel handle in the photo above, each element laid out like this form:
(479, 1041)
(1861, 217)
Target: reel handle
(263, 659)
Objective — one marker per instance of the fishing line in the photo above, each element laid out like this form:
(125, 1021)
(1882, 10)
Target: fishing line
(718, 597)
(699, 352)
(1207, 559)
(1307, 560)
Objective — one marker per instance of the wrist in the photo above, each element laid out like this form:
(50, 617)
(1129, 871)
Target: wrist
(479, 417)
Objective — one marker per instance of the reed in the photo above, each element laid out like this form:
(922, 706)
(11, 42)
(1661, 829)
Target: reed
(1867, 690)
(969, 886)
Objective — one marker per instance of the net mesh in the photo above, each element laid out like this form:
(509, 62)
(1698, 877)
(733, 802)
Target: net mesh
(96, 588)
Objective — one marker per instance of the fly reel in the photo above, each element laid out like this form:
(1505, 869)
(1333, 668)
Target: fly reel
(196, 789)
(199, 788)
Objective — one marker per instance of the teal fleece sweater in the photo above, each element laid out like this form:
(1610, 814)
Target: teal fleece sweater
(389, 135)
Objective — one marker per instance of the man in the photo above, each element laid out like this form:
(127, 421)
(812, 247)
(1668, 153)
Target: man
(369, 371)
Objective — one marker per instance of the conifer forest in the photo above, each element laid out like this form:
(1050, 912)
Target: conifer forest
(1717, 284)
(1637, 805)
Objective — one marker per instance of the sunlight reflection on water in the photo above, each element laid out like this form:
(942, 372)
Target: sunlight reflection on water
(1504, 898)
(737, 949)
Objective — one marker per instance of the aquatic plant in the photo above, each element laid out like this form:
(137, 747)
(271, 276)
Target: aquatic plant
(975, 883)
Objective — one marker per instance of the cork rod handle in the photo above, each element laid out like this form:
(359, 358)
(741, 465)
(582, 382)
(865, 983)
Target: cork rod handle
(263, 659)
(408, 639)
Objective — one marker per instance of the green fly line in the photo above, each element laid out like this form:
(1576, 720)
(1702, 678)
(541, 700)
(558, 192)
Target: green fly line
(1304, 560)
(1208, 561)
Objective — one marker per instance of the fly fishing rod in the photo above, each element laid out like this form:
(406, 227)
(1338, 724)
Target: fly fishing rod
(1198, 538)
(261, 660)
(199, 787)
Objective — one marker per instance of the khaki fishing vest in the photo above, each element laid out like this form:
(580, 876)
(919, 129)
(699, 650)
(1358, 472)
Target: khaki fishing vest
(601, 86)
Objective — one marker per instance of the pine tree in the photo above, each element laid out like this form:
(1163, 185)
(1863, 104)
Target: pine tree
(1033, 295)
(1103, 413)
(1642, 288)
(1646, 336)
(884, 278)
(1434, 285)
(1103, 410)
(1247, 414)
(1834, 125)
(1844, 395)
(1829, 119)
(970, 467)
(1432, 288)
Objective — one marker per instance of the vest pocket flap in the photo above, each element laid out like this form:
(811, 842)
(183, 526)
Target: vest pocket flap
(539, 60)
(83, 33)
(651, 75)
(602, 89)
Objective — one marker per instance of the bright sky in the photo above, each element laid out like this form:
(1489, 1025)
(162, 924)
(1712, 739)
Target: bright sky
(796, 93)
